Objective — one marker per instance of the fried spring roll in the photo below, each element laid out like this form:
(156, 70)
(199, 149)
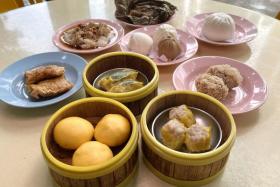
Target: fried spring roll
(50, 87)
(42, 73)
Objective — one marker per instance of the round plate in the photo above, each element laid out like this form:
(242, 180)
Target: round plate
(245, 30)
(117, 29)
(12, 89)
(251, 94)
(140, 26)
(188, 45)
(201, 117)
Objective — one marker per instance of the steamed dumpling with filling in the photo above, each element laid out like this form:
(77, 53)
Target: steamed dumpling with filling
(173, 134)
(183, 114)
(218, 27)
(198, 138)
(107, 82)
(126, 86)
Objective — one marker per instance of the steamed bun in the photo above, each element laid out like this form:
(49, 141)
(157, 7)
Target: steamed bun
(218, 27)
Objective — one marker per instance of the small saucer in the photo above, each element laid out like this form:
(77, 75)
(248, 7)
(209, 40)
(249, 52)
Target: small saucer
(250, 95)
(245, 30)
(201, 117)
(188, 45)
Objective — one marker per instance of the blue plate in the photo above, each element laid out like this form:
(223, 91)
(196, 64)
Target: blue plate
(12, 89)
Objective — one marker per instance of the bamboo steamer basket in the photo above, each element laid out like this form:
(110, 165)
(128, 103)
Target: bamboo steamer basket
(114, 172)
(186, 169)
(135, 100)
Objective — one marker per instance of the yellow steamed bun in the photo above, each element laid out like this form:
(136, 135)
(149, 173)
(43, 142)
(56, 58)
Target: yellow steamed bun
(72, 132)
(112, 130)
(91, 153)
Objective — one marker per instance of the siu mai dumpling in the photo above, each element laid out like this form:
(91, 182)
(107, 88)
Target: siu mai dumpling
(183, 114)
(126, 86)
(198, 138)
(173, 134)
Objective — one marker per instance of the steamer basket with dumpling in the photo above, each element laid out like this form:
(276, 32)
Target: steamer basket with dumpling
(135, 100)
(183, 168)
(116, 171)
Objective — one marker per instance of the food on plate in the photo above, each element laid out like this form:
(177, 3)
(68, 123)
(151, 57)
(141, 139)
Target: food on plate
(91, 153)
(173, 134)
(198, 138)
(144, 12)
(71, 132)
(43, 72)
(140, 43)
(89, 35)
(112, 130)
(183, 114)
(126, 86)
(211, 85)
(164, 31)
(166, 41)
(49, 87)
(169, 47)
(123, 80)
(218, 27)
(230, 75)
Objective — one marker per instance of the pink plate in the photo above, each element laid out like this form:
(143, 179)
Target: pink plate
(245, 30)
(188, 45)
(117, 29)
(251, 94)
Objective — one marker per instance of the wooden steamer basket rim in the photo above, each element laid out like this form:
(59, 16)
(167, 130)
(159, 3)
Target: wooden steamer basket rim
(127, 96)
(188, 158)
(88, 172)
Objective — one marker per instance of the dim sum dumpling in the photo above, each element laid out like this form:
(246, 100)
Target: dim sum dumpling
(173, 134)
(198, 138)
(107, 82)
(230, 75)
(183, 114)
(126, 86)
(218, 27)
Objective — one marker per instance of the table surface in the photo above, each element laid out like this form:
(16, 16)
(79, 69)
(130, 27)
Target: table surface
(254, 159)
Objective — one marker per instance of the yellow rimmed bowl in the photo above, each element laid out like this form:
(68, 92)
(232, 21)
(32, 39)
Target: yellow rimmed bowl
(179, 168)
(114, 172)
(135, 100)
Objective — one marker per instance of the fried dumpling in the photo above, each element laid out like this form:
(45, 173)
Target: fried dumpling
(173, 134)
(183, 114)
(49, 87)
(126, 86)
(43, 72)
(198, 138)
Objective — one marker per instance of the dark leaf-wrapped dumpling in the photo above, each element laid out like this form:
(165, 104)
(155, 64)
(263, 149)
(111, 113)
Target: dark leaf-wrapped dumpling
(144, 12)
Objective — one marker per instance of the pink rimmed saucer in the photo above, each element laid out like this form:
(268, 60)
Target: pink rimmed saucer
(188, 46)
(117, 29)
(245, 30)
(250, 95)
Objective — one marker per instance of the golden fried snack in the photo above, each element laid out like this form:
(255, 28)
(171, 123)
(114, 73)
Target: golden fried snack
(42, 73)
(50, 87)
